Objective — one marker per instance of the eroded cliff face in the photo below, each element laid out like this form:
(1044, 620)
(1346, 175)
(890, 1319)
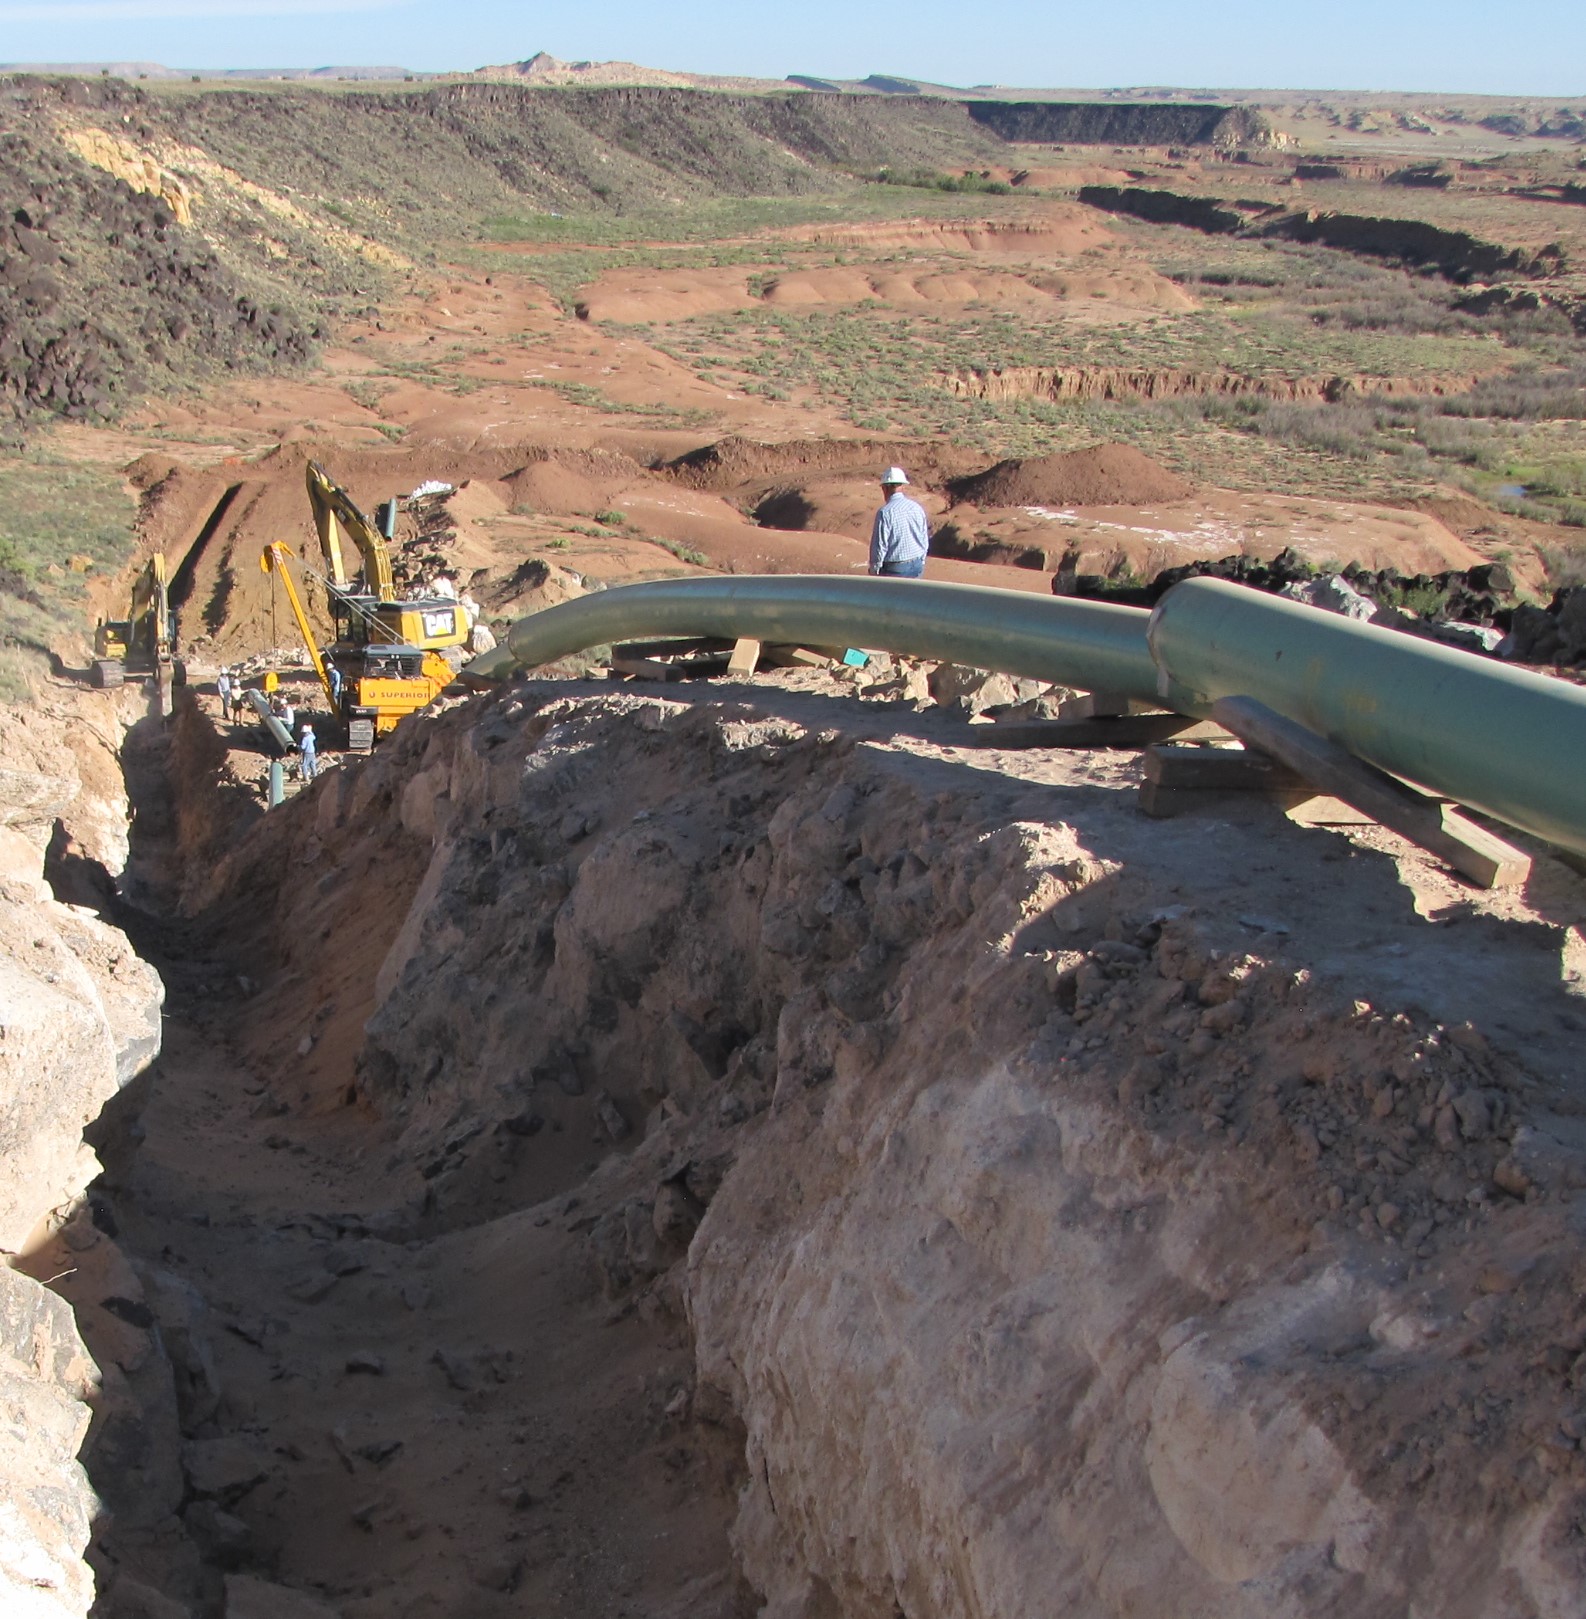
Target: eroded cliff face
(1064, 1229)
(79, 1018)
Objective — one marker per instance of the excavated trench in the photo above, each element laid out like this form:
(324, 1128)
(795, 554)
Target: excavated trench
(628, 1155)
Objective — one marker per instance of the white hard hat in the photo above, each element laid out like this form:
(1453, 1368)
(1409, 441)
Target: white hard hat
(894, 475)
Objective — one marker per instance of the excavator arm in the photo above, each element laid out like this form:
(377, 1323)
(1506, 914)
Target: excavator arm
(151, 609)
(335, 512)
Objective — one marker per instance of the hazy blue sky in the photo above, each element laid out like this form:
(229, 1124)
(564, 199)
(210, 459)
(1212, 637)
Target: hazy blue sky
(1455, 45)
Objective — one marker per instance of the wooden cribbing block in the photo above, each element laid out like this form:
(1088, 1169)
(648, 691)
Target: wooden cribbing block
(795, 657)
(1128, 731)
(745, 659)
(1325, 810)
(1099, 705)
(647, 668)
(1224, 770)
(1471, 850)
(1187, 778)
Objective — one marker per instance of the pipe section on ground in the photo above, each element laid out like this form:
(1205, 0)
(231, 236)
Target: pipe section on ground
(1090, 645)
(1504, 741)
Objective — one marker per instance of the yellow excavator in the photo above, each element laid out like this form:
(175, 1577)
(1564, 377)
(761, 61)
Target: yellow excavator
(144, 642)
(385, 662)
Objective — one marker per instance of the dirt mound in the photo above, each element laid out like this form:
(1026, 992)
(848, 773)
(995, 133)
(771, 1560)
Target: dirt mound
(570, 482)
(645, 296)
(1106, 475)
(534, 586)
(733, 462)
(1060, 231)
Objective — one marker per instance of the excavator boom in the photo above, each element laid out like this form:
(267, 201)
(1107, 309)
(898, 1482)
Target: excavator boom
(334, 511)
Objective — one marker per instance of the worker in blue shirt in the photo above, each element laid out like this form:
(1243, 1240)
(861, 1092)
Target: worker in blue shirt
(308, 754)
(900, 536)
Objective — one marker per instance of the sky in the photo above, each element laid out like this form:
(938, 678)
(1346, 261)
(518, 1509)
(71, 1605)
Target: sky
(1456, 46)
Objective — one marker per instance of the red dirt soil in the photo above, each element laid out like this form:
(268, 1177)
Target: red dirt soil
(1107, 475)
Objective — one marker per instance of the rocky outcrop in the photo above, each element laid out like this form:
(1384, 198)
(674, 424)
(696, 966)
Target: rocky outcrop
(1107, 382)
(46, 1506)
(1110, 123)
(79, 1019)
(104, 284)
(1207, 214)
(1456, 254)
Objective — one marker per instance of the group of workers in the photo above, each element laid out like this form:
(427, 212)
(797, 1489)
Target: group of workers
(900, 539)
(233, 705)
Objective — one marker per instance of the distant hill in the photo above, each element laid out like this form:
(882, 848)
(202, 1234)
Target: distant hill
(544, 70)
(157, 70)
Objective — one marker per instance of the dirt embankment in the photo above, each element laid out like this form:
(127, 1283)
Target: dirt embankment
(1456, 254)
(1096, 384)
(908, 1117)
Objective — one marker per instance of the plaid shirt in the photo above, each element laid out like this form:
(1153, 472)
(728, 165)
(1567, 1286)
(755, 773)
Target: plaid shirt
(900, 532)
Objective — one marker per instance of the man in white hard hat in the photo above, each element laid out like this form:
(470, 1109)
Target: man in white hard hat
(900, 535)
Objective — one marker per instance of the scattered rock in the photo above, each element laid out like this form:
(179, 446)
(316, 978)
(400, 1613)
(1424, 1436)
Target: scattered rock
(225, 1469)
(610, 1116)
(223, 1539)
(250, 1598)
(458, 1369)
(312, 1287)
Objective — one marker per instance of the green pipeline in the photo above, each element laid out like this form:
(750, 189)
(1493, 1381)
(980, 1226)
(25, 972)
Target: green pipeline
(1504, 741)
(1501, 740)
(1090, 645)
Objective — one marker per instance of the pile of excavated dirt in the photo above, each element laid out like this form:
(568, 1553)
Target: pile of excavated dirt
(733, 462)
(571, 482)
(1107, 475)
(683, 1156)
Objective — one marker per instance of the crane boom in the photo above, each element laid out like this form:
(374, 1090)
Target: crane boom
(273, 560)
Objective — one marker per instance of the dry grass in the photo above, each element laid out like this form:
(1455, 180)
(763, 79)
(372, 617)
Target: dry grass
(59, 523)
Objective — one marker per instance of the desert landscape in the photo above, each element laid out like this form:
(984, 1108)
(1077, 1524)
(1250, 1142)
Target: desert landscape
(810, 1137)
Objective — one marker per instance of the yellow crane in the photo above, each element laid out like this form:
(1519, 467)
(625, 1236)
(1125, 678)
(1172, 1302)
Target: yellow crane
(374, 682)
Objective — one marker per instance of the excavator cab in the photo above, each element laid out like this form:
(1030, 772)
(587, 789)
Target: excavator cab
(433, 623)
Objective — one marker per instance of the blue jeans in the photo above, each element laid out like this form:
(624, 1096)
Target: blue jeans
(909, 568)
